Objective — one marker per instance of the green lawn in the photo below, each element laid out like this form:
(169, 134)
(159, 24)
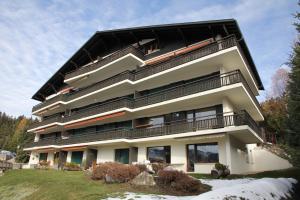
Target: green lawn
(52, 184)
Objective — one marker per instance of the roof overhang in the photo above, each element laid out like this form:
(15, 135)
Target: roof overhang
(104, 42)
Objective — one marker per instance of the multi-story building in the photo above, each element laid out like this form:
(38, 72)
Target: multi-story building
(183, 94)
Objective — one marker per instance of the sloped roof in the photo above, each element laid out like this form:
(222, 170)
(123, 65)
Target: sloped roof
(102, 42)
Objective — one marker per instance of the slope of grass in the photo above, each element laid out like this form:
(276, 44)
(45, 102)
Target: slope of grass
(52, 184)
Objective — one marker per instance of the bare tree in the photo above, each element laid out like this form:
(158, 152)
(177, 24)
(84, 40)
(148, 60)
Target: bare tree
(279, 83)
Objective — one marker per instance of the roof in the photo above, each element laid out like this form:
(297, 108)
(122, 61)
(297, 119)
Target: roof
(104, 41)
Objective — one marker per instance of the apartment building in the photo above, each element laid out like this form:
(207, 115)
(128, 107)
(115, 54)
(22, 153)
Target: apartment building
(183, 94)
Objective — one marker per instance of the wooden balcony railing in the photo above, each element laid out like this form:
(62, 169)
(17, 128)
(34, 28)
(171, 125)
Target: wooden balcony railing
(146, 71)
(208, 122)
(205, 84)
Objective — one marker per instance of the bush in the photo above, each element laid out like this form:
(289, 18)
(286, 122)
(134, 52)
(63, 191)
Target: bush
(116, 171)
(187, 184)
(220, 166)
(141, 167)
(43, 164)
(220, 170)
(178, 181)
(69, 166)
(123, 173)
(158, 167)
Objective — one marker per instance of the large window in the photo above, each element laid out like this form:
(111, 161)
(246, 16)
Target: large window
(43, 157)
(122, 156)
(160, 154)
(77, 157)
(202, 153)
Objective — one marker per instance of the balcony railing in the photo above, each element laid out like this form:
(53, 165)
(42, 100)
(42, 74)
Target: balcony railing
(204, 84)
(208, 122)
(143, 72)
(106, 60)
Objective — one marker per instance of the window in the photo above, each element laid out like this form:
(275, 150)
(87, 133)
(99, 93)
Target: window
(202, 153)
(77, 157)
(205, 114)
(160, 154)
(156, 121)
(122, 156)
(43, 156)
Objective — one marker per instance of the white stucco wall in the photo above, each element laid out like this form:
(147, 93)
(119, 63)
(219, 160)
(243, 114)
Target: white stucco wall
(50, 158)
(107, 153)
(178, 152)
(34, 158)
(69, 156)
(238, 156)
(264, 160)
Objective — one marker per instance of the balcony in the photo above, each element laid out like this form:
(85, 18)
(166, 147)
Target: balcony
(204, 84)
(204, 123)
(142, 72)
(124, 59)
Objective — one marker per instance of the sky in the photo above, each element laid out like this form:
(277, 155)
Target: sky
(38, 37)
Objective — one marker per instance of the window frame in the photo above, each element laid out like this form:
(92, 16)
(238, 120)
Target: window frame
(166, 160)
(203, 144)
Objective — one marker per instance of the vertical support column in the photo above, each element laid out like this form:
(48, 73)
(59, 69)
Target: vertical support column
(69, 156)
(50, 158)
(228, 151)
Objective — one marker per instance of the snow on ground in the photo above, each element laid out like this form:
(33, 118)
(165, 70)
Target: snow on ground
(265, 188)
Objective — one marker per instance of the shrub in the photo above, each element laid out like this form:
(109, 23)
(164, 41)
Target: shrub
(187, 184)
(123, 173)
(44, 163)
(220, 170)
(72, 166)
(141, 167)
(178, 181)
(100, 170)
(158, 167)
(220, 166)
(116, 171)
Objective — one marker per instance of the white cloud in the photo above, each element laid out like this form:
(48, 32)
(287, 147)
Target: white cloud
(37, 37)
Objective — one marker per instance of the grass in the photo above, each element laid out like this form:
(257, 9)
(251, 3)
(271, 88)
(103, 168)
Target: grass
(52, 184)
(287, 173)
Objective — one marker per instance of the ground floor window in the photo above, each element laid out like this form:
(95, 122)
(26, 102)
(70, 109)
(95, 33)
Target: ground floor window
(122, 156)
(161, 154)
(43, 156)
(77, 157)
(202, 153)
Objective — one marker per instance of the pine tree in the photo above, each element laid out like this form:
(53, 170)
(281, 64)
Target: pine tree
(293, 89)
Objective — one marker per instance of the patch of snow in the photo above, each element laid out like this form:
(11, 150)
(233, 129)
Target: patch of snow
(131, 196)
(219, 183)
(265, 188)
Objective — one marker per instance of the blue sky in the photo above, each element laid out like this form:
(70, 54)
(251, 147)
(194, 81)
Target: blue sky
(37, 37)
